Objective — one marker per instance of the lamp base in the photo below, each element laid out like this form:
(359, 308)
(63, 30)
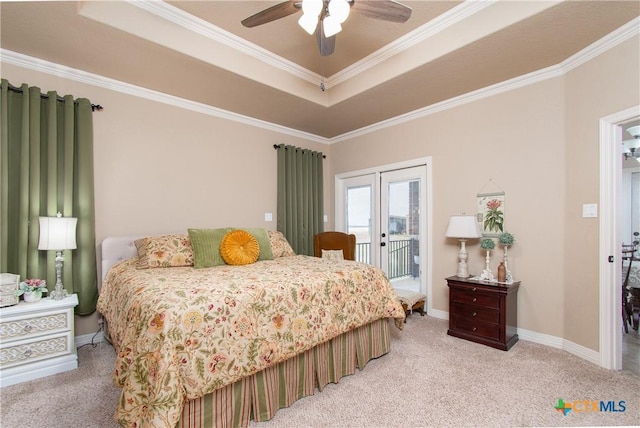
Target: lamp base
(463, 271)
(58, 293)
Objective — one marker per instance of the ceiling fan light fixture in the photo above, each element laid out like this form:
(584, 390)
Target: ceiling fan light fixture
(631, 145)
(339, 10)
(634, 131)
(310, 11)
(312, 7)
(308, 23)
(331, 26)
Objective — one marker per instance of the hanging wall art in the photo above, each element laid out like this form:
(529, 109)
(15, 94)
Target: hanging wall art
(490, 215)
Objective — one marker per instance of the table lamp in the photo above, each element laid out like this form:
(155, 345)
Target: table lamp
(58, 233)
(463, 227)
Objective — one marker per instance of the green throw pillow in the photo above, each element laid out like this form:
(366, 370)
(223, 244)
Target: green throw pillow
(262, 236)
(206, 246)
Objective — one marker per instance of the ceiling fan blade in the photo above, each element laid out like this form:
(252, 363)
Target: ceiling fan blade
(326, 45)
(278, 11)
(386, 10)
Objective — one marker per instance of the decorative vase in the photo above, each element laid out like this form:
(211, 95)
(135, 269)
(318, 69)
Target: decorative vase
(33, 296)
(502, 272)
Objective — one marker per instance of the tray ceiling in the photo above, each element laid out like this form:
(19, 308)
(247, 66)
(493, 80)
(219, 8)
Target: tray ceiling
(199, 51)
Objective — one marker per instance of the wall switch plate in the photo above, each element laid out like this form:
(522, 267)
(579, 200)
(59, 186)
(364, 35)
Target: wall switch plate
(589, 210)
(268, 217)
(326, 218)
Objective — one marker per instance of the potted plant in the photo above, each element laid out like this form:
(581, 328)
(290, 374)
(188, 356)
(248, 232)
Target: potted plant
(32, 289)
(506, 239)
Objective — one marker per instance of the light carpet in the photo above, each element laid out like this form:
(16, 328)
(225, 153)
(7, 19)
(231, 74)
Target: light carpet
(428, 379)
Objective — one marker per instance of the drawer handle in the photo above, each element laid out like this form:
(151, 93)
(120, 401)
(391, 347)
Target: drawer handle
(27, 327)
(475, 328)
(474, 289)
(474, 299)
(474, 314)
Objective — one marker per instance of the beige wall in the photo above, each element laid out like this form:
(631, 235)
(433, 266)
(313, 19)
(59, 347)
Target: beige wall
(514, 139)
(608, 84)
(160, 168)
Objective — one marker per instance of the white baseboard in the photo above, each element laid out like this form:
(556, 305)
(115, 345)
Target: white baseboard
(87, 339)
(443, 315)
(544, 339)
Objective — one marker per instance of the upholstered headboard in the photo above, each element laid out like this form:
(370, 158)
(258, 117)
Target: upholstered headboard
(116, 249)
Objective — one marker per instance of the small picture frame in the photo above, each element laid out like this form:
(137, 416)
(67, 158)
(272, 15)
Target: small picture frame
(490, 215)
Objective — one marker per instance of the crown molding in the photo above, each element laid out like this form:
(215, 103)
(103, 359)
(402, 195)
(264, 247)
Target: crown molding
(611, 40)
(489, 91)
(59, 70)
(193, 23)
(440, 23)
(629, 30)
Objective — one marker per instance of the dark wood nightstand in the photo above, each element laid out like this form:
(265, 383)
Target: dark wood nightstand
(483, 312)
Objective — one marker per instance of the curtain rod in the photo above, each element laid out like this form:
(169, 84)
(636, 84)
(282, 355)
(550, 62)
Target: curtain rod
(94, 107)
(278, 146)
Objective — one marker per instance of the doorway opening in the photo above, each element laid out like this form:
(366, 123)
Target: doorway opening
(610, 254)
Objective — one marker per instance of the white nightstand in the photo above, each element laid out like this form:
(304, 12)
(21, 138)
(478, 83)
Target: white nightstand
(37, 340)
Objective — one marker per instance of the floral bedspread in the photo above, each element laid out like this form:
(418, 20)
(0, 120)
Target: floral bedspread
(181, 332)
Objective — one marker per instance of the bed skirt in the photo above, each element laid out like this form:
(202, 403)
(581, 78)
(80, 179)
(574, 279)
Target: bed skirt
(259, 396)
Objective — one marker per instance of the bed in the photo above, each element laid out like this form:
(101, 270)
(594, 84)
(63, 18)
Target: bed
(218, 346)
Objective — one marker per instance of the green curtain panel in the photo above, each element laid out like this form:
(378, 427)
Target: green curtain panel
(47, 167)
(300, 196)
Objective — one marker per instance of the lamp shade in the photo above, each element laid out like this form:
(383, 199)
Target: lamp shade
(631, 144)
(57, 233)
(463, 226)
(339, 10)
(634, 131)
(331, 26)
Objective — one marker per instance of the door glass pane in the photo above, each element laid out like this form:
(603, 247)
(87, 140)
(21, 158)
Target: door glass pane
(359, 220)
(403, 243)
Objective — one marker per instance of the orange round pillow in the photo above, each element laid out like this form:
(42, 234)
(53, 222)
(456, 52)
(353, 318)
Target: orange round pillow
(239, 247)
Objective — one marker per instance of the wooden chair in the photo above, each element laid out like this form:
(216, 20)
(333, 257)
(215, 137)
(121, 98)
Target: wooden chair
(335, 241)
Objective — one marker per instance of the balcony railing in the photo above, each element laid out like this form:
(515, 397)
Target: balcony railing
(401, 257)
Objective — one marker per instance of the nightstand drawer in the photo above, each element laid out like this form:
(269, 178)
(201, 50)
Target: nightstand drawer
(35, 325)
(469, 295)
(477, 313)
(477, 328)
(21, 352)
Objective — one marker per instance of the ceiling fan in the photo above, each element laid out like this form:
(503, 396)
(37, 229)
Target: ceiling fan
(330, 14)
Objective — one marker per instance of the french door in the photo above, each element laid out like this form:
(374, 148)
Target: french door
(387, 211)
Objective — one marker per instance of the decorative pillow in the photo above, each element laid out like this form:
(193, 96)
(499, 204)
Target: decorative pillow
(332, 254)
(164, 251)
(206, 246)
(239, 247)
(280, 247)
(262, 236)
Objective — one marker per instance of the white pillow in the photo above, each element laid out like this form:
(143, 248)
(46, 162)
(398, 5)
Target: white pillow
(333, 254)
